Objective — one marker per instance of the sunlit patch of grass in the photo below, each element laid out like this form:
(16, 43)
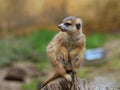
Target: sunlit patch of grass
(41, 38)
(85, 72)
(115, 36)
(114, 64)
(32, 48)
(17, 49)
(42, 65)
(30, 86)
(95, 40)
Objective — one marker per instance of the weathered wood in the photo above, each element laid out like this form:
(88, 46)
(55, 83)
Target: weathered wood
(77, 84)
(62, 84)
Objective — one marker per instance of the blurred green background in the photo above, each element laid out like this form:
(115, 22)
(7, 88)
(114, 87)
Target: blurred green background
(27, 26)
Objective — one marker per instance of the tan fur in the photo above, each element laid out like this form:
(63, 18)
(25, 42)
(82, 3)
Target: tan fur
(65, 51)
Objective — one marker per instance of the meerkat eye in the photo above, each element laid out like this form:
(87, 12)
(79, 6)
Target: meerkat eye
(67, 24)
(78, 26)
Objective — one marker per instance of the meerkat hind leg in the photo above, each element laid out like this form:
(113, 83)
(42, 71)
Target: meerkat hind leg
(54, 76)
(62, 72)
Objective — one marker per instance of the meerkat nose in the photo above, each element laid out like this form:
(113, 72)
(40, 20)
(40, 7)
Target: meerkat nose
(59, 26)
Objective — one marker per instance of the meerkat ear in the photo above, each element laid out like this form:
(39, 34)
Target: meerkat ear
(78, 26)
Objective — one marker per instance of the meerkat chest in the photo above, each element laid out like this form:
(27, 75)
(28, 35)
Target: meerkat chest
(70, 45)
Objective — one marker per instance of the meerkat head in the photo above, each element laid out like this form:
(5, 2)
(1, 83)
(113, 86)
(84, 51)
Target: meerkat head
(71, 24)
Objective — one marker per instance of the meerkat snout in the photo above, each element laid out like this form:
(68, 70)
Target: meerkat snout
(59, 26)
(62, 27)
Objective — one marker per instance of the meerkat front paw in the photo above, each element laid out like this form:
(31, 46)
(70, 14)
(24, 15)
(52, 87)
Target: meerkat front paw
(67, 77)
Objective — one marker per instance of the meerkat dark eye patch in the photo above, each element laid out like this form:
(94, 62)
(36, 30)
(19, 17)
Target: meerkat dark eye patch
(78, 26)
(67, 24)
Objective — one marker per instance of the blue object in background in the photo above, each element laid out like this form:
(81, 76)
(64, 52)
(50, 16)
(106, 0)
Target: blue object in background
(97, 54)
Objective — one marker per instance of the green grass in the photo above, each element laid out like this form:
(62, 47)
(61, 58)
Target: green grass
(95, 40)
(41, 38)
(42, 65)
(32, 48)
(114, 64)
(17, 49)
(85, 72)
(30, 86)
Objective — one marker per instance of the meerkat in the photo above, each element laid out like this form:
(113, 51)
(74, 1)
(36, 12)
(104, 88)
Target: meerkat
(65, 51)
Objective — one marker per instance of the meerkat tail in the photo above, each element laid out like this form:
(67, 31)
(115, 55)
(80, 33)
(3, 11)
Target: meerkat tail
(54, 76)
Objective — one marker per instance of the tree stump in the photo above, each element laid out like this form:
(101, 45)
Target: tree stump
(77, 84)
(62, 84)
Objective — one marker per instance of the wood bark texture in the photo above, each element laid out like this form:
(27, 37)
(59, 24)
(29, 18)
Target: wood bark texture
(77, 84)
